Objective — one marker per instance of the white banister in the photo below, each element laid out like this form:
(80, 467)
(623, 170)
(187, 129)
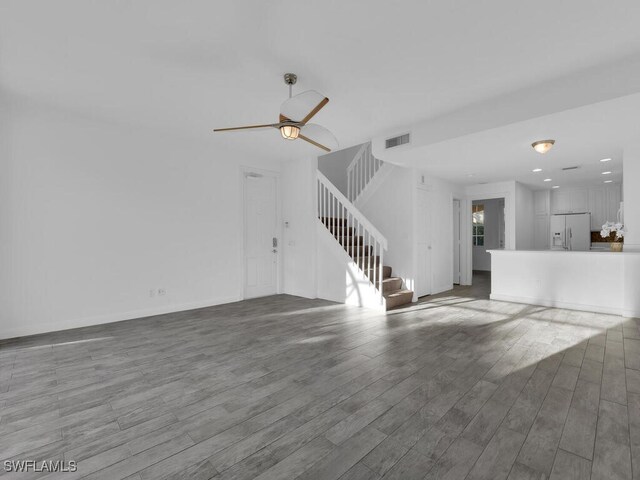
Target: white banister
(361, 170)
(365, 244)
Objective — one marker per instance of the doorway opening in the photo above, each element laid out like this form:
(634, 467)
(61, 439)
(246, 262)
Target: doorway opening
(261, 262)
(487, 233)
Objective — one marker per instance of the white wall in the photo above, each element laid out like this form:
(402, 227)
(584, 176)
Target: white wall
(391, 210)
(334, 166)
(525, 217)
(93, 215)
(339, 279)
(299, 246)
(493, 217)
(631, 195)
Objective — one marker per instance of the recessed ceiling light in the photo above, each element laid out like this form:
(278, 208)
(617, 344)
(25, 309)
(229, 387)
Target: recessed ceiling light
(608, 181)
(605, 160)
(536, 170)
(556, 186)
(543, 146)
(547, 179)
(606, 173)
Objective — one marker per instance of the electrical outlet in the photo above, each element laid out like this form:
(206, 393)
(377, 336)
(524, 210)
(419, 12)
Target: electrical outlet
(162, 292)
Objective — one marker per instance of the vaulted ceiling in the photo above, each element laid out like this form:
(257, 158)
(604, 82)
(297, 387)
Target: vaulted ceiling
(183, 68)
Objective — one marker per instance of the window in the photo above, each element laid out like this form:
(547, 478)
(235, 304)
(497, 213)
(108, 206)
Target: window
(477, 213)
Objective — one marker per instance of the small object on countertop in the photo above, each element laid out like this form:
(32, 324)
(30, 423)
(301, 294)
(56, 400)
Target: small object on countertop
(616, 246)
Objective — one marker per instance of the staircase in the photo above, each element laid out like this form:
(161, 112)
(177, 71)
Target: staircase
(361, 241)
(361, 171)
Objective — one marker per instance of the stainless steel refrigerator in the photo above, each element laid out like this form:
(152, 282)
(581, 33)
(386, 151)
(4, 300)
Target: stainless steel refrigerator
(571, 231)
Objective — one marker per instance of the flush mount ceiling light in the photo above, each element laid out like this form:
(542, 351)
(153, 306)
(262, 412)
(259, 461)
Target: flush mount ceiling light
(547, 179)
(608, 181)
(543, 146)
(536, 170)
(605, 160)
(606, 173)
(556, 186)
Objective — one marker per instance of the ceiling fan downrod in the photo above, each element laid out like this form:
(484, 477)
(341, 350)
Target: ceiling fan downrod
(290, 79)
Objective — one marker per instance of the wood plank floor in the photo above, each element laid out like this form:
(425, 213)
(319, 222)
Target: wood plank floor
(453, 387)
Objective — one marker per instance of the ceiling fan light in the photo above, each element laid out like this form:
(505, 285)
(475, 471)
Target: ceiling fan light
(289, 132)
(543, 146)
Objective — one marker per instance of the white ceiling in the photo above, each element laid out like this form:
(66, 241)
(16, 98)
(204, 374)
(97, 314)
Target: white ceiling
(183, 68)
(583, 137)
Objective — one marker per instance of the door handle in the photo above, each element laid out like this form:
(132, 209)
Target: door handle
(274, 250)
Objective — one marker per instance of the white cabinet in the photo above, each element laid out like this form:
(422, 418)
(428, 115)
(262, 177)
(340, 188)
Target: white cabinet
(579, 201)
(561, 201)
(602, 202)
(614, 197)
(570, 201)
(541, 202)
(598, 207)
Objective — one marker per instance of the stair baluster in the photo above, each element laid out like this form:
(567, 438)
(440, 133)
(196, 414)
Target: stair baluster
(340, 216)
(361, 171)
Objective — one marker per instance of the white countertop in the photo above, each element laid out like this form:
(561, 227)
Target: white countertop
(565, 252)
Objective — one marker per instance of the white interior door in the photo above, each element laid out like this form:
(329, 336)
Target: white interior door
(423, 276)
(456, 241)
(261, 235)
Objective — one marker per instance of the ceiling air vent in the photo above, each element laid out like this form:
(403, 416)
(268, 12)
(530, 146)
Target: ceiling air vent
(570, 168)
(397, 141)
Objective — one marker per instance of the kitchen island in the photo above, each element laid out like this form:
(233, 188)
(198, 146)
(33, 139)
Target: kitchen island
(606, 282)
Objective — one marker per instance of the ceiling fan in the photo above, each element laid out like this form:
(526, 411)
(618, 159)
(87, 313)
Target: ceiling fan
(294, 115)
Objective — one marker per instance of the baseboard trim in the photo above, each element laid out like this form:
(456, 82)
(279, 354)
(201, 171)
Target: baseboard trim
(40, 328)
(543, 302)
(631, 313)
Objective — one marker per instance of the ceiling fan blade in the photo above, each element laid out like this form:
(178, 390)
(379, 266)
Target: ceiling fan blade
(273, 125)
(320, 135)
(315, 110)
(302, 105)
(302, 137)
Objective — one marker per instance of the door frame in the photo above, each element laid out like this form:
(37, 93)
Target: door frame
(509, 228)
(458, 240)
(244, 171)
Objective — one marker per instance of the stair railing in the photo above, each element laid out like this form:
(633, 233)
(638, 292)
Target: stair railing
(335, 210)
(361, 170)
